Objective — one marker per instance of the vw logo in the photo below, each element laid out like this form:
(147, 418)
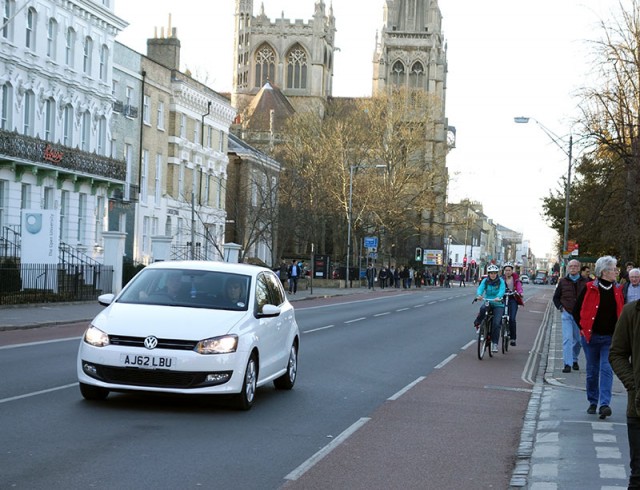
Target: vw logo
(151, 342)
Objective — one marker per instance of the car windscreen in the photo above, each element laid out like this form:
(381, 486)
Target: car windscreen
(190, 288)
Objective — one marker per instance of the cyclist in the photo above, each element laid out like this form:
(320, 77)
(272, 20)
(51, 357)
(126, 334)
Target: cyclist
(513, 285)
(493, 287)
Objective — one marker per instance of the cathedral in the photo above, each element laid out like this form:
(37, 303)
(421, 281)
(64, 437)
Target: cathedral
(283, 65)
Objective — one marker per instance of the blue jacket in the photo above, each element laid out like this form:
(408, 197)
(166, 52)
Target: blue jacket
(494, 293)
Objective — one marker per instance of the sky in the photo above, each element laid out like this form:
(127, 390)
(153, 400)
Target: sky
(506, 58)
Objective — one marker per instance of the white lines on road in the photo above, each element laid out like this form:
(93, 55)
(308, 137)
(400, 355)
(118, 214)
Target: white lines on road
(356, 320)
(383, 314)
(444, 363)
(432, 303)
(309, 463)
(318, 329)
(466, 346)
(405, 389)
(419, 306)
(29, 344)
(402, 309)
(35, 393)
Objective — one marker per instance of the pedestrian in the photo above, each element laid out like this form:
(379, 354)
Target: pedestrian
(294, 274)
(382, 277)
(284, 273)
(625, 346)
(513, 285)
(463, 272)
(585, 271)
(371, 276)
(396, 278)
(564, 299)
(597, 309)
(631, 289)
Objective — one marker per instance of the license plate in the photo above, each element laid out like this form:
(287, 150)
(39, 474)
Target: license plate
(148, 362)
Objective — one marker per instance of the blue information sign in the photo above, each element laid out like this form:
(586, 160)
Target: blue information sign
(371, 241)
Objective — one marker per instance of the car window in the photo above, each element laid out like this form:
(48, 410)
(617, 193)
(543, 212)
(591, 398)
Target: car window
(262, 293)
(276, 292)
(190, 288)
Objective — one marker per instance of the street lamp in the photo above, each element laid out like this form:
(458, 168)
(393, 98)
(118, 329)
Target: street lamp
(558, 141)
(349, 210)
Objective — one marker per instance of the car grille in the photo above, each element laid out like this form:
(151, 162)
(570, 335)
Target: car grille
(156, 378)
(173, 344)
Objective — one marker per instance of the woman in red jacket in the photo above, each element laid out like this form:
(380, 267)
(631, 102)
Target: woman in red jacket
(596, 312)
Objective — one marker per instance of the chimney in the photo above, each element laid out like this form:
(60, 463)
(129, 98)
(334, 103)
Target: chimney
(165, 50)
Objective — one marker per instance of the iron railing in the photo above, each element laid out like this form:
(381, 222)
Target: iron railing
(48, 283)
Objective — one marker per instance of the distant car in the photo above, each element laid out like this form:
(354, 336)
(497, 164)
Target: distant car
(524, 279)
(192, 327)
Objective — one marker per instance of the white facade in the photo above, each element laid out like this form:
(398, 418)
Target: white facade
(55, 115)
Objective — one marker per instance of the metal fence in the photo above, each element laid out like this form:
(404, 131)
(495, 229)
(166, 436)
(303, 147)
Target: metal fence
(49, 283)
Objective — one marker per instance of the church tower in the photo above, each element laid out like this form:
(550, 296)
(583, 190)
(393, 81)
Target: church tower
(293, 55)
(411, 54)
(411, 51)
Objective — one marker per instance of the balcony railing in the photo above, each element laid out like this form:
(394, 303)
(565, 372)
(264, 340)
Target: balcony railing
(69, 159)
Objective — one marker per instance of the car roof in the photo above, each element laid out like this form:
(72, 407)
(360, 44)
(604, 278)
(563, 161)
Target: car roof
(209, 265)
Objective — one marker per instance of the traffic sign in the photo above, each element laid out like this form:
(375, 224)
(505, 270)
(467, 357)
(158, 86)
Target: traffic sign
(371, 241)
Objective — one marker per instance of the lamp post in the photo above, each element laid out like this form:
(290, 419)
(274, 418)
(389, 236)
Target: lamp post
(349, 211)
(558, 141)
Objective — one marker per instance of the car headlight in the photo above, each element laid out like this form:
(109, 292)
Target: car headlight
(218, 345)
(96, 337)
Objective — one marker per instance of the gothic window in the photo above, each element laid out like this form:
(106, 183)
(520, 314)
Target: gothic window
(397, 73)
(416, 77)
(265, 65)
(297, 68)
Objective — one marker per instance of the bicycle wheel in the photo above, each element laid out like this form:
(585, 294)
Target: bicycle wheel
(504, 331)
(482, 335)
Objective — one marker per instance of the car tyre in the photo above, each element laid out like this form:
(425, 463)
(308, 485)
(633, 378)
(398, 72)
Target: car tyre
(90, 392)
(246, 397)
(288, 379)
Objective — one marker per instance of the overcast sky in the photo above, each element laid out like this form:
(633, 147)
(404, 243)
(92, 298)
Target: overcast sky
(506, 58)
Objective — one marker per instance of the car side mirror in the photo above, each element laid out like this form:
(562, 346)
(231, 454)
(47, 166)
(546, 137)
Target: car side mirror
(269, 310)
(106, 299)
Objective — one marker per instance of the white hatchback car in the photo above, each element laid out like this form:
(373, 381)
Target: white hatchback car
(192, 327)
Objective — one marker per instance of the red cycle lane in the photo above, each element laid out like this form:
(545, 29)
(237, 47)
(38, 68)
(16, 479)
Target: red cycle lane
(457, 428)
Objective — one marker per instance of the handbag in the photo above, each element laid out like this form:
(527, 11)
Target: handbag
(519, 299)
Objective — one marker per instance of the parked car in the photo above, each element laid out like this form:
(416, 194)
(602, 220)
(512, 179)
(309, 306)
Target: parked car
(192, 328)
(524, 279)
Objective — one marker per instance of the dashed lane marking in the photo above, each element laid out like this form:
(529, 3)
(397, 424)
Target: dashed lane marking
(35, 393)
(405, 389)
(318, 329)
(443, 363)
(383, 314)
(356, 320)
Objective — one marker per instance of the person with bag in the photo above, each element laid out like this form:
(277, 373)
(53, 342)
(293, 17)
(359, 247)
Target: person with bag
(596, 311)
(513, 285)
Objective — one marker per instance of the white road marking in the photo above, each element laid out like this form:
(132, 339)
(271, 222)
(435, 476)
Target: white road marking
(383, 314)
(405, 389)
(403, 309)
(318, 329)
(464, 347)
(356, 320)
(432, 303)
(309, 463)
(29, 344)
(616, 471)
(35, 393)
(303, 308)
(443, 363)
(419, 306)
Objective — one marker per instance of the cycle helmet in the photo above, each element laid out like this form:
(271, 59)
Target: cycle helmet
(507, 264)
(493, 268)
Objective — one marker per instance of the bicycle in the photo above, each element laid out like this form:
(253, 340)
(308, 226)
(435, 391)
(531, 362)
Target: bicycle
(505, 332)
(484, 331)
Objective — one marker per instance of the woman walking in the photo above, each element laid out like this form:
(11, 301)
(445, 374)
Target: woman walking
(596, 312)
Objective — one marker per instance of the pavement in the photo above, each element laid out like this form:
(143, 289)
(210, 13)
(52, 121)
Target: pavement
(561, 446)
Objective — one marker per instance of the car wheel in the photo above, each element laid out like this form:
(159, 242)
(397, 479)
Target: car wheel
(288, 379)
(248, 394)
(90, 392)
